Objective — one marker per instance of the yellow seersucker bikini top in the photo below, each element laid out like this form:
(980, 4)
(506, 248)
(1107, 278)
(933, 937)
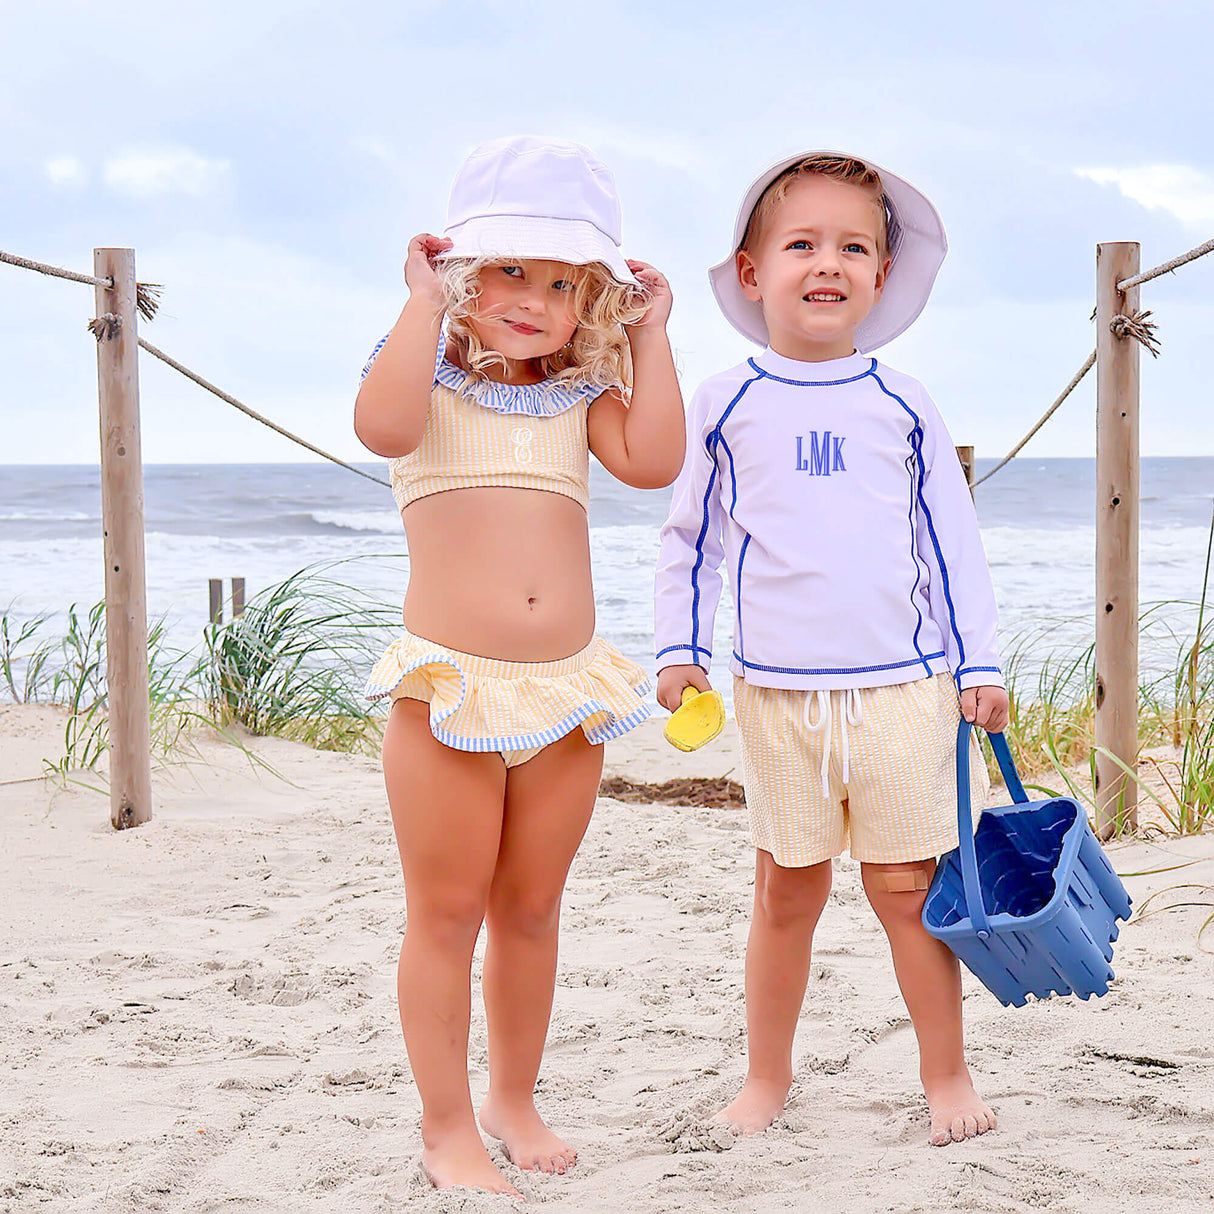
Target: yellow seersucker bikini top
(478, 433)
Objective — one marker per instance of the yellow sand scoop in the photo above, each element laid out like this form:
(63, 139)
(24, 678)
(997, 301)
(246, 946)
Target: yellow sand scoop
(698, 719)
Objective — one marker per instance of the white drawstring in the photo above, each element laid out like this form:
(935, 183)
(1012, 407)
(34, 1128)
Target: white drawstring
(822, 698)
(852, 715)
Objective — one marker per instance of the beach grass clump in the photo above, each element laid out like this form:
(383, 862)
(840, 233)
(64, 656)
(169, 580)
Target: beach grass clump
(1053, 723)
(1186, 715)
(69, 670)
(1052, 714)
(293, 664)
(23, 658)
(1052, 726)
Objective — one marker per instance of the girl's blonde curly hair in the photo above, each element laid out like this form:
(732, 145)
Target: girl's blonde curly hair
(598, 352)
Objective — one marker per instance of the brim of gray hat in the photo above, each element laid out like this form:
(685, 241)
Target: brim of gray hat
(577, 242)
(915, 262)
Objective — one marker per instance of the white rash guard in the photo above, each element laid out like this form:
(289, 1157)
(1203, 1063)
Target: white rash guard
(834, 493)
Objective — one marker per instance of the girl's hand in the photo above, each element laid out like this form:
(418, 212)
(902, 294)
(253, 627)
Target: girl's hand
(985, 706)
(672, 680)
(420, 275)
(658, 291)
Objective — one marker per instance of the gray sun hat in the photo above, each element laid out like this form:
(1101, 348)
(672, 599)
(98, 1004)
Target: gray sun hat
(917, 248)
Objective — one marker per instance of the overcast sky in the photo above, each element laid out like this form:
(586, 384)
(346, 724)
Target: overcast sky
(269, 161)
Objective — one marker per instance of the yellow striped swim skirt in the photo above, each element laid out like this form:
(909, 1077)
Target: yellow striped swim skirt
(871, 770)
(514, 708)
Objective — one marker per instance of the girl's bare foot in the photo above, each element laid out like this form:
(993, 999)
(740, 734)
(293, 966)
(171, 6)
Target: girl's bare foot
(958, 1112)
(755, 1107)
(459, 1158)
(529, 1143)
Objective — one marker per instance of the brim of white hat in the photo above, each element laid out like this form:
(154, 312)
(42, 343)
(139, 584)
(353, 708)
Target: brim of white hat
(914, 264)
(577, 242)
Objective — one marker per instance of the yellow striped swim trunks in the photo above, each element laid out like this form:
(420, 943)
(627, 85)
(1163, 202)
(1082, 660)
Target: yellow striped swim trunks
(514, 708)
(871, 770)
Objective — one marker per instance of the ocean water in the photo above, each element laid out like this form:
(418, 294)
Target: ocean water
(264, 522)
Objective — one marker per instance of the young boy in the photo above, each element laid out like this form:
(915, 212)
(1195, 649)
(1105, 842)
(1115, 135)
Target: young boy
(864, 613)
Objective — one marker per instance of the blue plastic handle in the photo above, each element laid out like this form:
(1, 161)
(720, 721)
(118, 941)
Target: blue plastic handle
(965, 820)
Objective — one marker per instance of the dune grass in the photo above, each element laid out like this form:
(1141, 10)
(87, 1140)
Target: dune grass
(1053, 717)
(293, 666)
(69, 670)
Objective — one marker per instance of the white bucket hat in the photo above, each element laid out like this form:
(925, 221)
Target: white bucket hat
(531, 197)
(917, 246)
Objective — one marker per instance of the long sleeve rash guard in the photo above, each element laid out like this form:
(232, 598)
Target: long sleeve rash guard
(833, 494)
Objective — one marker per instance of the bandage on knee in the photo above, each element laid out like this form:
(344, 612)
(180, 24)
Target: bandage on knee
(905, 880)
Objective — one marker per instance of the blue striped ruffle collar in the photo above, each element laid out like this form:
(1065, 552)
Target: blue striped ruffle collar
(545, 399)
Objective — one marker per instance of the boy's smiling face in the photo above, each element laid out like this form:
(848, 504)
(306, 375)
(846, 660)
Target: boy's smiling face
(816, 267)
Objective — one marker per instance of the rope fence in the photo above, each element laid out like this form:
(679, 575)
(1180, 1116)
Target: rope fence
(41, 267)
(1138, 326)
(1045, 417)
(106, 327)
(1168, 266)
(257, 417)
(147, 294)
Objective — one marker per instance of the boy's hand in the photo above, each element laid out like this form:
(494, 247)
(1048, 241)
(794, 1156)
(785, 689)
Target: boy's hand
(672, 680)
(657, 289)
(985, 706)
(420, 275)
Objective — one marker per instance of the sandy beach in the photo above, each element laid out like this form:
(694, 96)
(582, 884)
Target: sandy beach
(200, 1015)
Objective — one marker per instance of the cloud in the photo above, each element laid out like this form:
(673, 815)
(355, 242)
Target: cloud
(66, 170)
(1184, 192)
(147, 174)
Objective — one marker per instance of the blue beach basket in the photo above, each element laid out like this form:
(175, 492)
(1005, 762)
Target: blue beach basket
(1029, 902)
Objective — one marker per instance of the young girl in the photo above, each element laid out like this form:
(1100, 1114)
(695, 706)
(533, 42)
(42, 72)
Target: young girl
(502, 695)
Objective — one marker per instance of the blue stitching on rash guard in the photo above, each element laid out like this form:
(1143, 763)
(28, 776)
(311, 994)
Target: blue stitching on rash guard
(910, 518)
(661, 653)
(733, 472)
(695, 569)
(927, 514)
(837, 670)
(709, 445)
(815, 383)
(738, 593)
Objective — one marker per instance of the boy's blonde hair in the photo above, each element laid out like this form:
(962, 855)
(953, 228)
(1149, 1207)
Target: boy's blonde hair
(598, 352)
(846, 169)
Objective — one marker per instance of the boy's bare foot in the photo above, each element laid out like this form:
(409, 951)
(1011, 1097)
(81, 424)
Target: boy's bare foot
(958, 1112)
(529, 1143)
(755, 1107)
(460, 1158)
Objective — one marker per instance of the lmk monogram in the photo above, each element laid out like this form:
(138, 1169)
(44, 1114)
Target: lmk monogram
(820, 458)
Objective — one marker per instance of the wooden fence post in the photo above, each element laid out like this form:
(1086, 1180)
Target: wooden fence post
(126, 624)
(966, 456)
(215, 591)
(1117, 471)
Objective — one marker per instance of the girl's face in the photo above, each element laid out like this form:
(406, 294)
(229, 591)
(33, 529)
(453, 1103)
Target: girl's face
(524, 309)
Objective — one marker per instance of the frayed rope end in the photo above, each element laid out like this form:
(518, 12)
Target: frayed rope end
(1140, 327)
(147, 298)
